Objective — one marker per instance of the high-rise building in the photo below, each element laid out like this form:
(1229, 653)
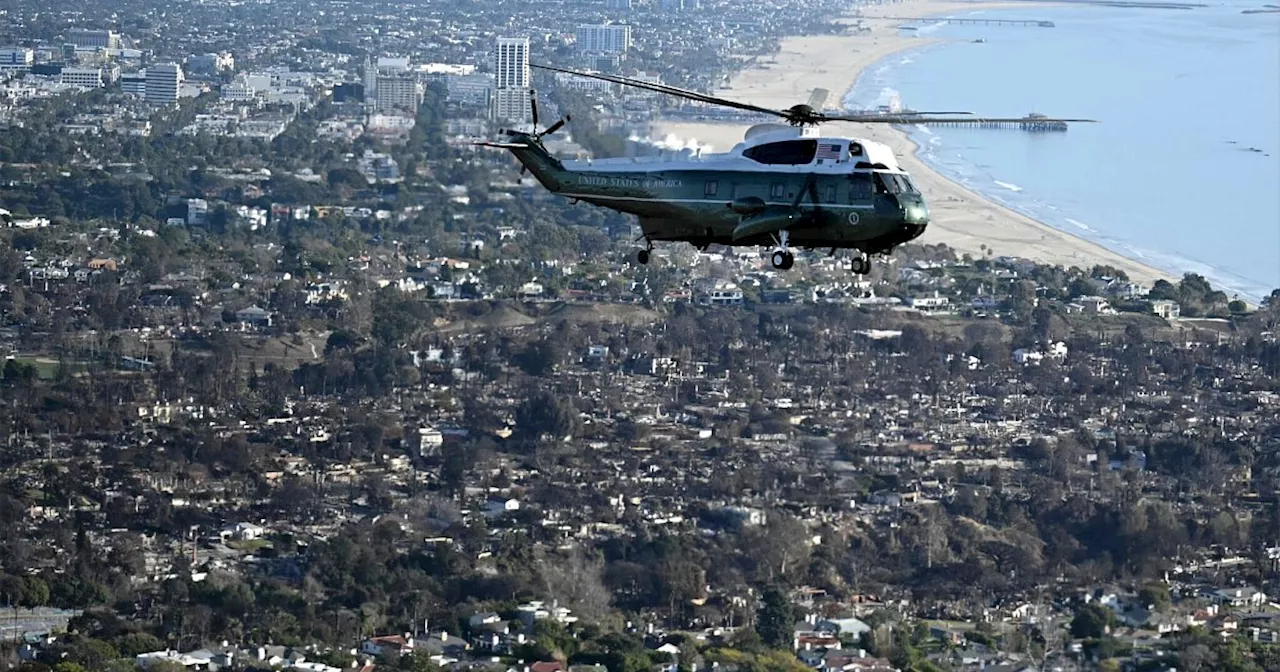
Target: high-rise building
(163, 82)
(511, 79)
(370, 76)
(511, 63)
(612, 38)
(398, 92)
(617, 4)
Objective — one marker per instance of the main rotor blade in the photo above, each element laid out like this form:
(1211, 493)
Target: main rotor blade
(504, 145)
(907, 119)
(669, 90)
(533, 106)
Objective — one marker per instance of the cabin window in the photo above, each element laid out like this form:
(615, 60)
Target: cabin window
(779, 190)
(788, 152)
(710, 188)
(829, 195)
(859, 187)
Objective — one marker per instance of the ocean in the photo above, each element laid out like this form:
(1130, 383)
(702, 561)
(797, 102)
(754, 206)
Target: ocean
(1183, 171)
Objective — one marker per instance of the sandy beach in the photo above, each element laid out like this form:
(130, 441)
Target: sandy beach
(961, 218)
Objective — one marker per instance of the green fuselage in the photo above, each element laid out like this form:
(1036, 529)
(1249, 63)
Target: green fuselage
(871, 210)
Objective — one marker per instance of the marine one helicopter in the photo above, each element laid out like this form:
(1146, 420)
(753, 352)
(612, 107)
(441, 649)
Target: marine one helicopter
(784, 186)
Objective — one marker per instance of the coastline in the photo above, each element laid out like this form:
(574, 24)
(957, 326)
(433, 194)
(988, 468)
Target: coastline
(961, 218)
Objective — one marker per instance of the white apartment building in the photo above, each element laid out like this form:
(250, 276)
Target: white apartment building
(239, 91)
(85, 78)
(399, 93)
(511, 79)
(611, 38)
(16, 57)
(212, 63)
(511, 63)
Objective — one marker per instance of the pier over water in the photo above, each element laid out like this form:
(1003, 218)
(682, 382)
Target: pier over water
(972, 22)
(1033, 122)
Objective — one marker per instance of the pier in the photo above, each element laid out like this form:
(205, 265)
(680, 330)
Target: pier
(1033, 122)
(972, 22)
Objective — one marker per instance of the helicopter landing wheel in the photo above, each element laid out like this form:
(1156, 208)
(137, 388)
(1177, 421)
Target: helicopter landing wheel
(642, 256)
(860, 264)
(783, 260)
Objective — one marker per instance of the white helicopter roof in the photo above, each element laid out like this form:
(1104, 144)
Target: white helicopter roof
(835, 154)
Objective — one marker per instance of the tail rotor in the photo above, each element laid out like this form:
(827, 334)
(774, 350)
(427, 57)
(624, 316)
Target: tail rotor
(533, 108)
(527, 140)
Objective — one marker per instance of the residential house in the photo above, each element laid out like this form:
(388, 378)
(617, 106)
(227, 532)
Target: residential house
(500, 507)
(1095, 304)
(244, 532)
(387, 645)
(536, 610)
(1240, 597)
(1166, 309)
(482, 618)
(930, 304)
(254, 316)
(1025, 357)
(718, 292)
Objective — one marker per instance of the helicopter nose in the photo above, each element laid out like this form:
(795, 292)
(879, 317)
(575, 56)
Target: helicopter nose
(917, 214)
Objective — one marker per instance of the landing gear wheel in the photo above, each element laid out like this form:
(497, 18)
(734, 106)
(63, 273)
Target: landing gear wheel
(783, 260)
(860, 264)
(642, 256)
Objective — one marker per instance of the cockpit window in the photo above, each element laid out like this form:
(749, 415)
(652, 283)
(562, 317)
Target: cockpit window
(892, 183)
(789, 152)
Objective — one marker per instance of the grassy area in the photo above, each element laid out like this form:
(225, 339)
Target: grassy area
(1114, 325)
(47, 368)
(288, 351)
(248, 545)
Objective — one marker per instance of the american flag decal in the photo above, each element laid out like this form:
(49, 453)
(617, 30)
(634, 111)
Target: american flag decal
(827, 150)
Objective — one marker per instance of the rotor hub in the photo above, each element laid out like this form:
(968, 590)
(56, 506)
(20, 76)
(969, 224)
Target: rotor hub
(800, 115)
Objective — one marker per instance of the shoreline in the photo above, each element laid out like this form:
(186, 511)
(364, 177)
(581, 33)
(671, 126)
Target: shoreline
(961, 218)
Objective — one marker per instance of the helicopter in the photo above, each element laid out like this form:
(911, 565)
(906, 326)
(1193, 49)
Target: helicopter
(785, 186)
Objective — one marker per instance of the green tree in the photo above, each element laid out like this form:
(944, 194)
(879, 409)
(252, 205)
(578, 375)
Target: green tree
(1091, 622)
(1156, 596)
(35, 592)
(776, 619)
